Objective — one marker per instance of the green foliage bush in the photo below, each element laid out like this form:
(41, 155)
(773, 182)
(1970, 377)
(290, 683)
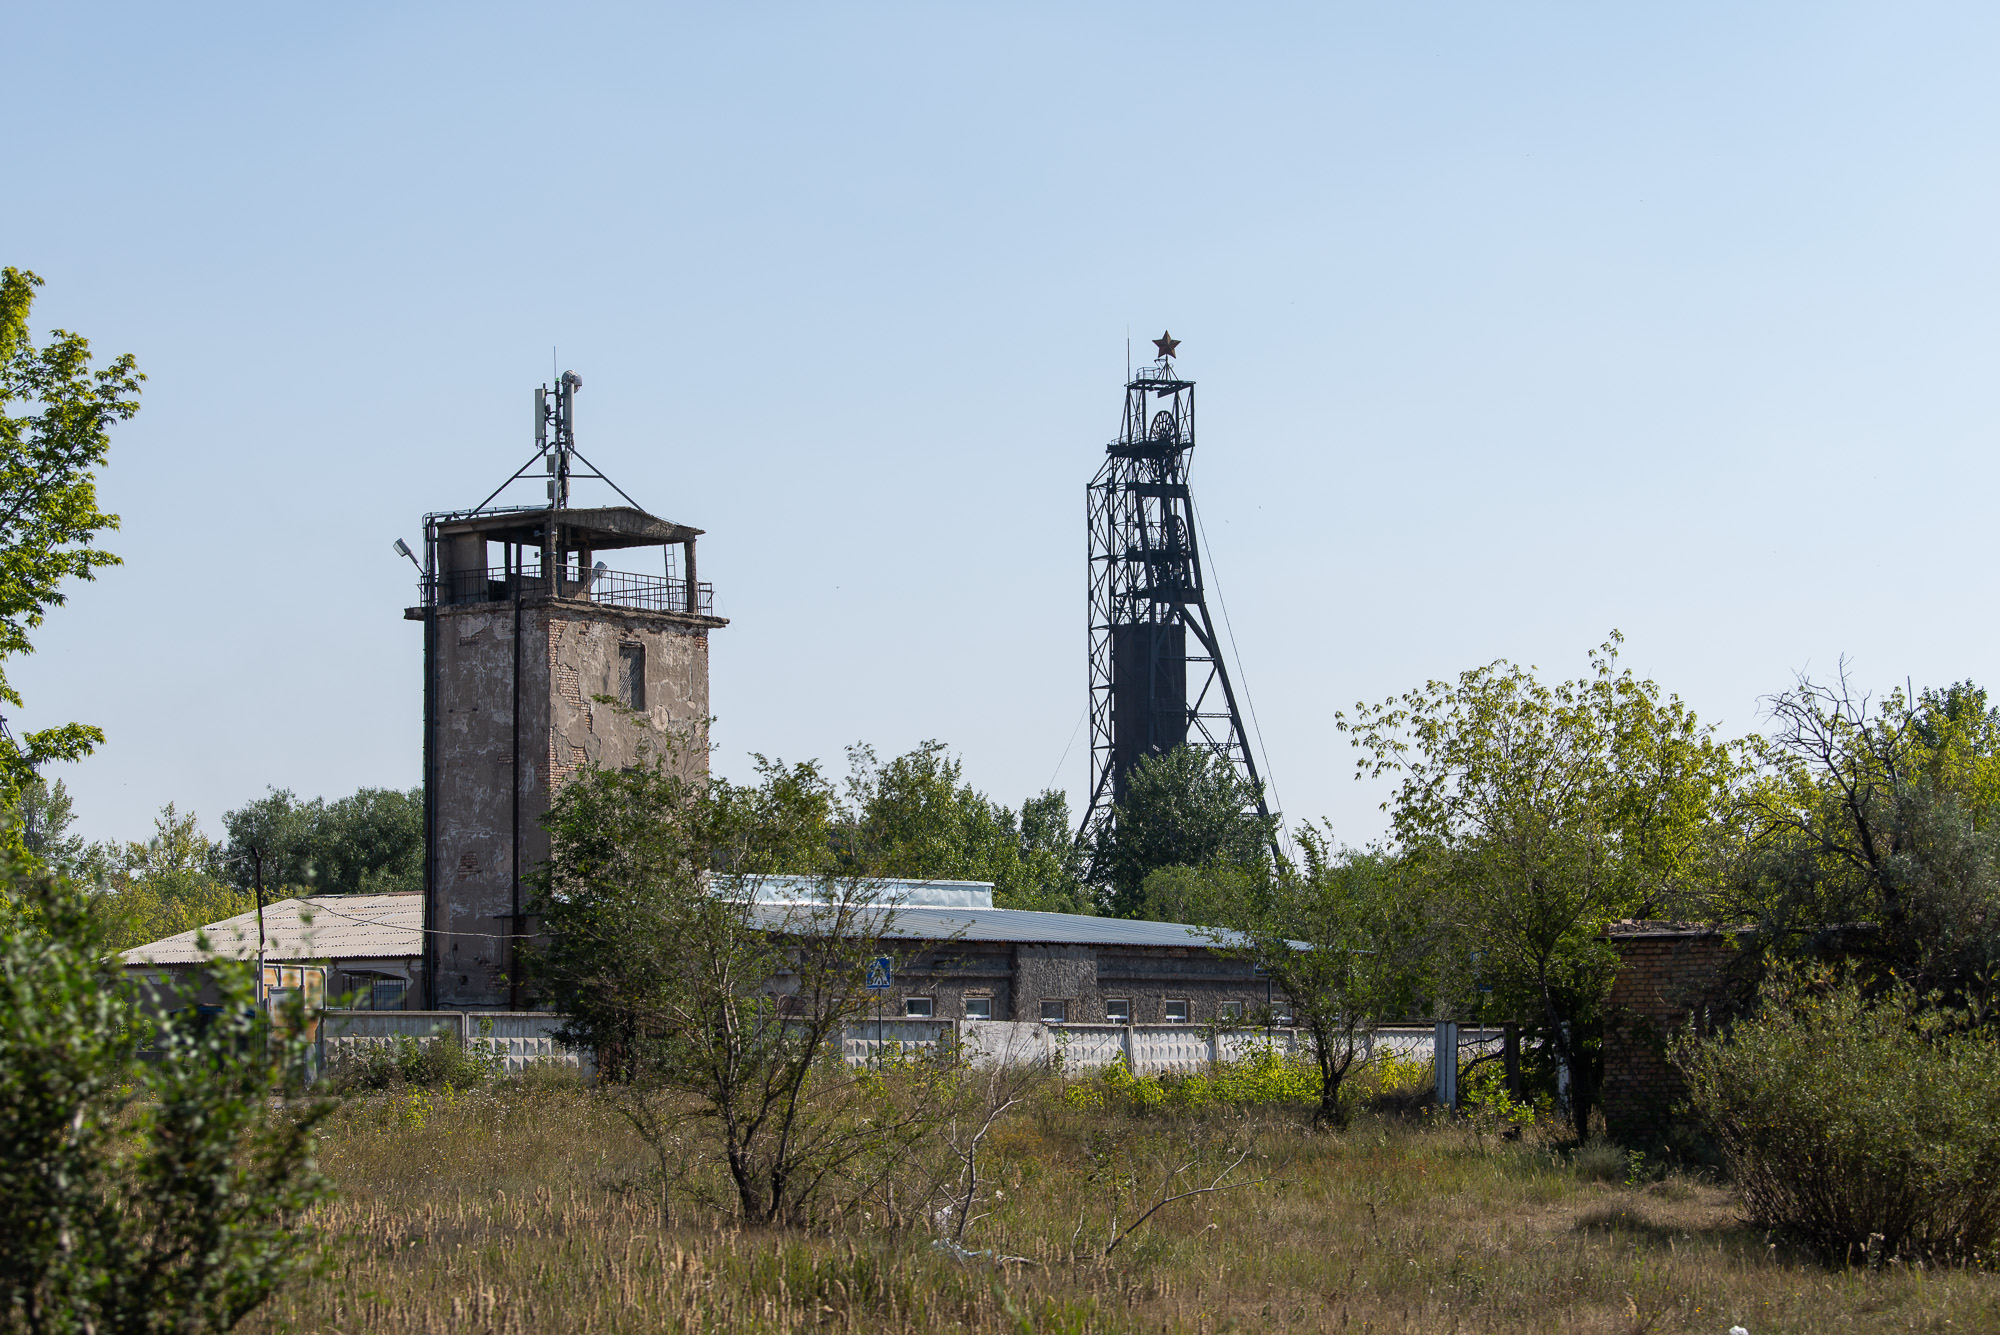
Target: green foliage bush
(1861, 1126)
(435, 1063)
(1394, 1084)
(369, 842)
(167, 1194)
(1266, 1076)
(1483, 1097)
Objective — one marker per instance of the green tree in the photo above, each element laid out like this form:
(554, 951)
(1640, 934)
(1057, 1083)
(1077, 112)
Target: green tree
(49, 520)
(916, 817)
(1346, 941)
(369, 842)
(1186, 808)
(694, 991)
(45, 813)
(1218, 895)
(1048, 876)
(283, 832)
(1541, 814)
(173, 882)
(1877, 815)
(163, 1195)
(784, 823)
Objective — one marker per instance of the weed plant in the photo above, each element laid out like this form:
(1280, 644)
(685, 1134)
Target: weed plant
(432, 1063)
(512, 1207)
(1863, 1127)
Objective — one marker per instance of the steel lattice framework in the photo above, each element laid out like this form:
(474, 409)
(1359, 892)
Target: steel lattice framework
(1151, 637)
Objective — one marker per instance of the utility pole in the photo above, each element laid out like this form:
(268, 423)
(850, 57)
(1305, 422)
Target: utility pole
(257, 880)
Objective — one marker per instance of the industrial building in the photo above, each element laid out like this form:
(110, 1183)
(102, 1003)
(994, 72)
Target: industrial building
(540, 660)
(956, 957)
(959, 958)
(364, 948)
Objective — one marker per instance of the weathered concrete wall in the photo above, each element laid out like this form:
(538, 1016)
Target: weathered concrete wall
(569, 657)
(517, 1039)
(472, 759)
(1206, 979)
(952, 974)
(1055, 973)
(1018, 978)
(583, 653)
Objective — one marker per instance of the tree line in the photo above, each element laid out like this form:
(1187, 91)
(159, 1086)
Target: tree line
(1528, 816)
(179, 878)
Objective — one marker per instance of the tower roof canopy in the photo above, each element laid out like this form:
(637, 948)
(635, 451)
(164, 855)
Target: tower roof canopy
(603, 529)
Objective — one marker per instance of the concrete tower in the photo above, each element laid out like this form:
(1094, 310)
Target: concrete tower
(539, 660)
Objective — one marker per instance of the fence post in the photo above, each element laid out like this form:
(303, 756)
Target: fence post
(1562, 1072)
(1444, 1060)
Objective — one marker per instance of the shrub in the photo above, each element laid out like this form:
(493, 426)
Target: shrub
(1265, 1076)
(1484, 1098)
(1396, 1084)
(429, 1063)
(172, 1193)
(1857, 1125)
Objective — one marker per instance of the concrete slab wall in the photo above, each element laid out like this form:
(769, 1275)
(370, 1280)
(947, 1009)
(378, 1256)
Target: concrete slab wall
(1145, 1049)
(525, 1037)
(519, 1038)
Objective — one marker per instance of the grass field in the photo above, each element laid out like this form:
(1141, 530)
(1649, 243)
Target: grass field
(535, 1209)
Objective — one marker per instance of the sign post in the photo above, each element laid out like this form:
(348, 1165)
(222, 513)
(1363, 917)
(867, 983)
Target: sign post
(881, 973)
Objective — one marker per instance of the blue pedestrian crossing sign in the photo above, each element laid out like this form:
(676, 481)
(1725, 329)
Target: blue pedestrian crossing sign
(879, 974)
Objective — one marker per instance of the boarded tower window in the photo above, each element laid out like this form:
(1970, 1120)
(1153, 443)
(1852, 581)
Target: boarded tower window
(632, 675)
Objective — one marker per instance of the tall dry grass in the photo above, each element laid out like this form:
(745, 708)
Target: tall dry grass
(537, 1210)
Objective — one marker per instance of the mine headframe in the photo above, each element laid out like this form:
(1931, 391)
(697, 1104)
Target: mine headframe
(1157, 675)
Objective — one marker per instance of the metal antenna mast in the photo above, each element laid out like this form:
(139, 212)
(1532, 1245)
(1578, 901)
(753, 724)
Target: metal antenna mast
(1147, 601)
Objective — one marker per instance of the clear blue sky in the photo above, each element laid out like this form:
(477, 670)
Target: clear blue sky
(1513, 324)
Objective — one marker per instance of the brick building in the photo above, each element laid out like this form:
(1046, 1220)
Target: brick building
(958, 957)
(1668, 974)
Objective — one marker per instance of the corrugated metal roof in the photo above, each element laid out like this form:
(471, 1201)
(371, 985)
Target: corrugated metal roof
(391, 926)
(884, 890)
(341, 927)
(1024, 925)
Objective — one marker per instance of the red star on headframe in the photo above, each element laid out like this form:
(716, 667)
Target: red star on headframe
(1166, 343)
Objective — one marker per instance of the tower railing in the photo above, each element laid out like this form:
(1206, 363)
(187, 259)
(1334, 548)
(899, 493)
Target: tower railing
(610, 588)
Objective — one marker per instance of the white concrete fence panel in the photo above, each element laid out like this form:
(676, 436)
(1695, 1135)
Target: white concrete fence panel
(522, 1039)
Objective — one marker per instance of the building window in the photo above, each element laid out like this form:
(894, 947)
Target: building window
(1118, 1010)
(1229, 1010)
(979, 1008)
(387, 996)
(917, 1008)
(1177, 1011)
(1055, 1012)
(632, 676)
